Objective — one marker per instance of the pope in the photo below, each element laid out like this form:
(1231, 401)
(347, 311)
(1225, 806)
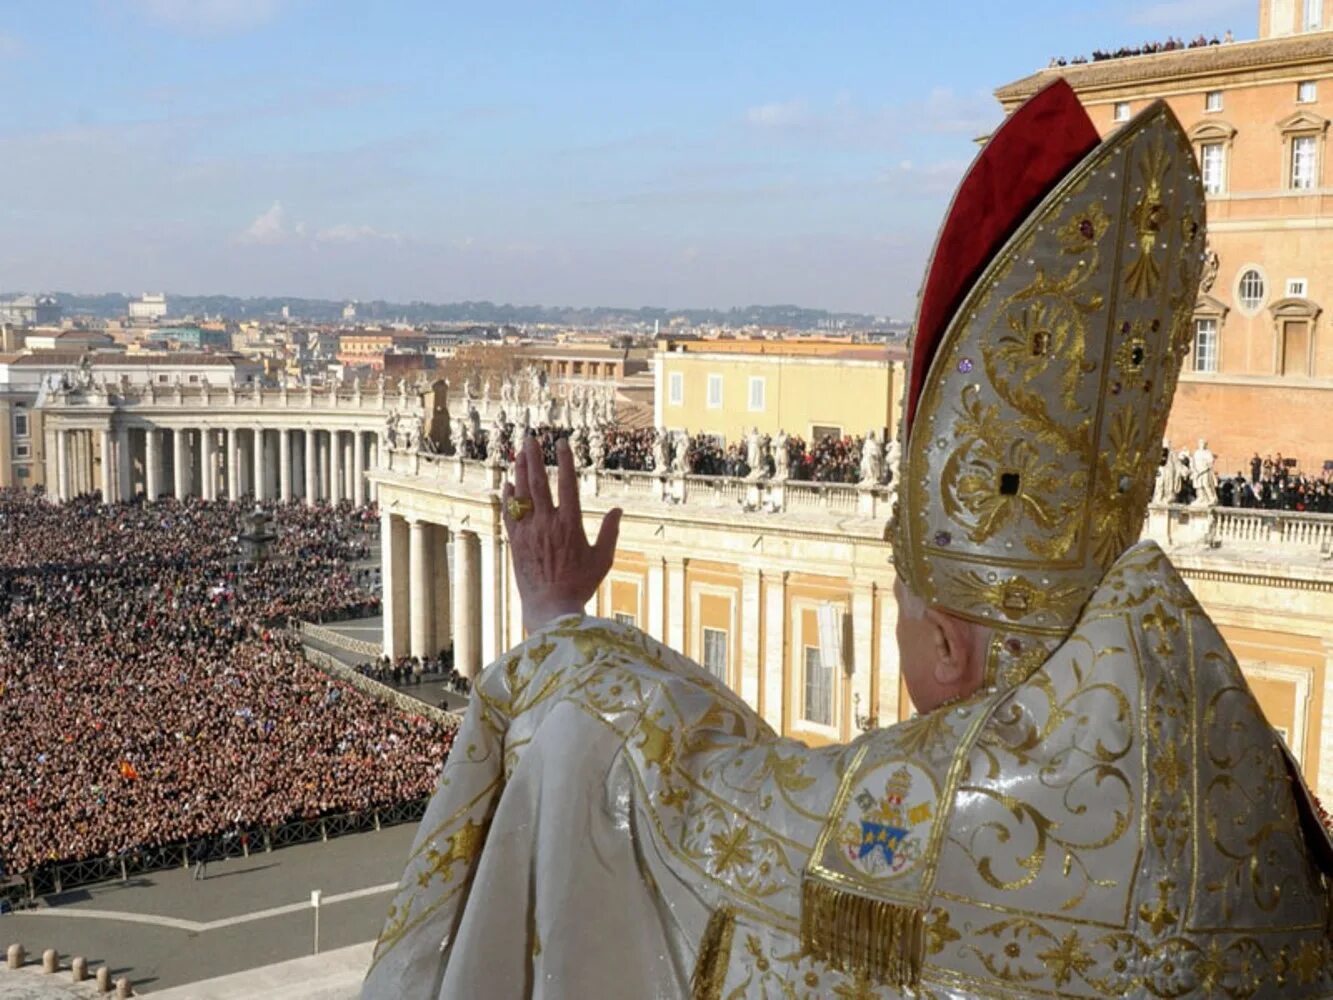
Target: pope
(1089, 804)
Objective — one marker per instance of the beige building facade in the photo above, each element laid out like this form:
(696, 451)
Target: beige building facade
(807, 388)
(793, 608)
(1260, 374)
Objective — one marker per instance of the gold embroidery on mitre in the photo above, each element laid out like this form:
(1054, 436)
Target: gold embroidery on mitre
(1030, 459)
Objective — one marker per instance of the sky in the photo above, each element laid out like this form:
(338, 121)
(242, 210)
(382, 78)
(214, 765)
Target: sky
(684, 154)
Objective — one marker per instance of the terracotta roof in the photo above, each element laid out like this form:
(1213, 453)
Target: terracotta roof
(821, 350)
(122, 360)
(1178, 65)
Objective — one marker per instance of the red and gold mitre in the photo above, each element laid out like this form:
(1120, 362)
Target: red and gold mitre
(1052, 324)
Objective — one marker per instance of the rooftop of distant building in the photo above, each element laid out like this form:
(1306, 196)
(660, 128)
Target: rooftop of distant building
(1178, 64)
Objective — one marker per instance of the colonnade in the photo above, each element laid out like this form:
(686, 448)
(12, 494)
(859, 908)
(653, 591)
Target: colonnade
(287, 463)
(432, 599)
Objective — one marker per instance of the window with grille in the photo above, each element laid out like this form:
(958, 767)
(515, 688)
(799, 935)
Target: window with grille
(624, 618)
(20, 424)
(1212, 156)
(676, 388)
(1205, 345)
(1296, 288)
(23, 451)
(1251, 290)
(714, 391)
(1306, 92)
(1303, 153)
(1212, 101)
(817, 707)
(756, 393)
(715, 652)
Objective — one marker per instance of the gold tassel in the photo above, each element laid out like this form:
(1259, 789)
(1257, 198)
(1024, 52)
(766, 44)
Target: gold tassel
(882, 941)
(710, 971)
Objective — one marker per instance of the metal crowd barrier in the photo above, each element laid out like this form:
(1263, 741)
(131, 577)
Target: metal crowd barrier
(58, 877)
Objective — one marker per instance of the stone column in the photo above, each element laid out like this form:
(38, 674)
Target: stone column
(208, 474)
(124, 468)
(420, 574)
(311, 474)
(750, 637)
(233, 465)
(439, 556)
(180, 458)
(358, 469)
(322, 443)
(775, 651)
(467, 604)
(285, 465)
(492, 591)
(261, 486)
(62, 466)
(335, 467)
(152, 460)
(393, 576)
(108, 478)
(675, 606)
(513, 634)
(374, 491)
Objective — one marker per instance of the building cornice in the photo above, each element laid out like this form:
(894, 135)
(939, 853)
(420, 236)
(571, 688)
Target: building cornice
(1182, 64)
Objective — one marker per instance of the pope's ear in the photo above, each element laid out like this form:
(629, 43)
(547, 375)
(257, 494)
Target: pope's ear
(952, 647)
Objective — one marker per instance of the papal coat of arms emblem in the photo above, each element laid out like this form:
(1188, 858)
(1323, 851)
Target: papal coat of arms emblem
(887, 820)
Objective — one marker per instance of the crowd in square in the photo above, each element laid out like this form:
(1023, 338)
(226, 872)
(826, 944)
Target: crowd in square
(151, 694)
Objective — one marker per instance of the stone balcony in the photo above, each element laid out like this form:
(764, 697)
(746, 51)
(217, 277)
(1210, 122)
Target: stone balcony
(643, 492)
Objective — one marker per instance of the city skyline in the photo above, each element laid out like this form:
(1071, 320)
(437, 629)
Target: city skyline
(587, 157)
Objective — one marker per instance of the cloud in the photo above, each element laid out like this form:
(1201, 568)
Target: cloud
(270, 227)
(210, 17)
(845, 122)
(779, 114)
(345, 232)
(936, 178)
(1173, 13)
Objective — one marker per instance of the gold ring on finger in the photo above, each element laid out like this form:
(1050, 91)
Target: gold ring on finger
(518, 508)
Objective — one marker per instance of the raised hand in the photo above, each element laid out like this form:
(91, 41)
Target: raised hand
(556, 569)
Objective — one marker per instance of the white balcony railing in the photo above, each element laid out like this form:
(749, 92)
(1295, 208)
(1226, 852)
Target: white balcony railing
(619, 486)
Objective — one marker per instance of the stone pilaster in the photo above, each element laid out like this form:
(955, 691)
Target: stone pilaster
(775, 648)
(657, 598)
(675, 609)
(750, 638)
